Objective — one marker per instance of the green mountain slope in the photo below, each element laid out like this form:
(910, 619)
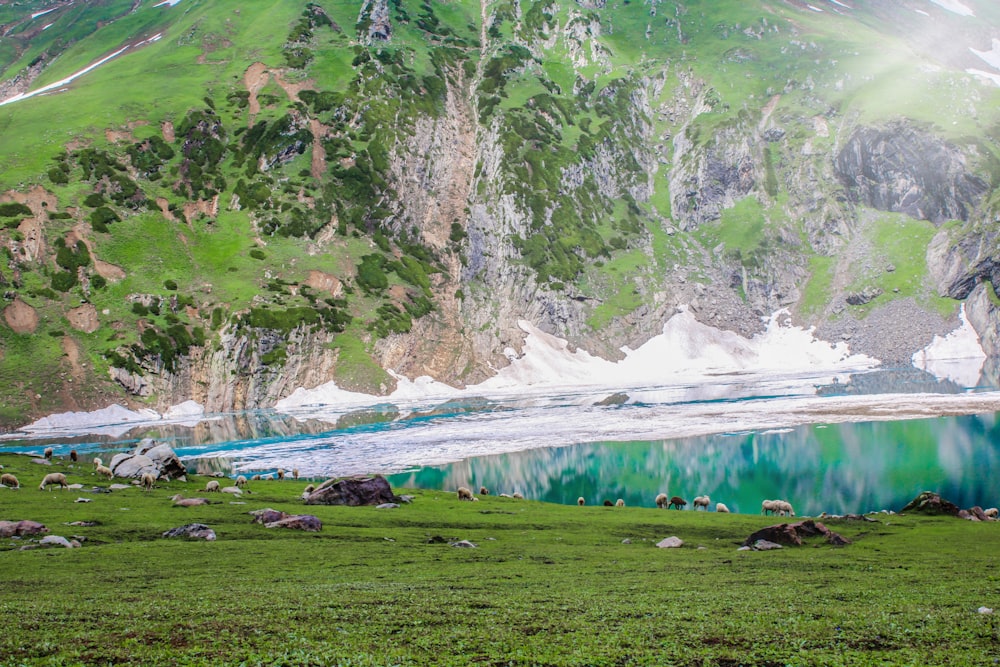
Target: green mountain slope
(246, 199)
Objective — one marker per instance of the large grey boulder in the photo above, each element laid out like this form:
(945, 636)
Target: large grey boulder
(353, 491)
(151, 457)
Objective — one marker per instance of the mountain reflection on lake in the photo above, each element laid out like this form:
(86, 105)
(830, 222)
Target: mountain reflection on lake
(839, 468)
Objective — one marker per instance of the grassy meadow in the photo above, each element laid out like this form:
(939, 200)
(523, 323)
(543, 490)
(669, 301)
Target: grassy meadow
(547, 584)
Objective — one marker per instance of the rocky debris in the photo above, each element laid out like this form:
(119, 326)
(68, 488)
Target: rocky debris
(180, 501)
(387, 506)
(133, 383)
(119, 487)
(762, 545)
(58, 541)
(867, 295)
(267, 515)
(196, 531)
(375, 13)
(793, 533)
(83, 524)
(354, 491)
(847, 517)
(974, 514)
(21, 528)
(464, 544)
(149, 457)
(84, 318)
(673, 542)
(929, 502)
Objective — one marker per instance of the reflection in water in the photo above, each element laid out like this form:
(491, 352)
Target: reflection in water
(837, 468)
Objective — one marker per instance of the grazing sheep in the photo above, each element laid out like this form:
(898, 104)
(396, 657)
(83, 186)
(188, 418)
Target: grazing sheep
(677, 503)
(181, 501)
(784, 508)
(517, 496)
(98, 462)
(212, 487)
(580, 501)
(281, 473)
(9, 480)
(47, 453)
(104, 470)
(295, 473)
(769, 507)
(702, 501)
(619, 503)
(309, 488)
(241, 481)
(720, 507)
(661, 501)
(465, 494)
(992, 512)
(148, 481)
(483, 491)
(255, 478)
(72, 455)
(53, 478)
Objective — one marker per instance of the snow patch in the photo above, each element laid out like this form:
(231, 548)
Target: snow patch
(991, 57)
(43, 13)
(989, 77)
(837, 2)
(686, 352)
(954, 6)
(920, 11)
(168, 3)
(815, 9)
(109, 418)
(958, 356)
(63, 82)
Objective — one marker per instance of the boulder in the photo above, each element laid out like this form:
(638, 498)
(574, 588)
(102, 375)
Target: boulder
(792, 533)
(150, 457)
(673, 542)
(764, 545)
(267, 516)
(306, 522)
(354, 491)
(58, 541)
(929, 502)
(197, 531)
(21, 528)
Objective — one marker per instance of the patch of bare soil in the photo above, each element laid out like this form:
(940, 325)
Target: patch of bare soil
(165, 209)
(209, 208)
(318, 166)
(254, 79)
(72, 352)
(84, 318)
(21, 317)
(167, 130)
(325, 282)
(109, 271)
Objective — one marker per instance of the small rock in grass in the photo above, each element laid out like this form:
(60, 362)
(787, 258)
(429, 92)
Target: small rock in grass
(387, 506)
(57, 541)
(83, 500)
(406, 499)
(464, 544)
(42, 462)
(626, 541)
(120, 487)
(75, 486)
(985, 610)
(765, 545)
(672, 542)
(197, 531)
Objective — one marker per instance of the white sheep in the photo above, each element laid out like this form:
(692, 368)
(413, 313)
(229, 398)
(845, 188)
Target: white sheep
(662, 500)
(580, 501)
(98, 462)
(784, 508)
(701, 501)
(148, 481)
(295, 473)
(213, 486)
(992, 512)
(309, 488)
(465, 494)
(255, 478)
(104, 470)
(720, 507)
(281, 473)
(769, 507)
(47, 453)
(53, 478)
(517, 496)
(241, 481)
(8, 479)
(619, 503)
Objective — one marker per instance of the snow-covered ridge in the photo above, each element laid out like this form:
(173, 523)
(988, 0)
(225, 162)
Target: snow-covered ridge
(955, 7)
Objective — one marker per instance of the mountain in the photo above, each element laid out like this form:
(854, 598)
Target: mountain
(225, 201)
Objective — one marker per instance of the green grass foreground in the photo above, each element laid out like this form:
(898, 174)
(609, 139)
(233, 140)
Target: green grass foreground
(547, 585)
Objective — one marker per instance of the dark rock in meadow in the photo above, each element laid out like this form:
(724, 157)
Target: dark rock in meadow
(267, 515)
(354, 491)
(197, 531)
(792, 534)
(306, 522)
(867, 295)
(620, 398)
(929, 502)
(21, 528)
(436, 539)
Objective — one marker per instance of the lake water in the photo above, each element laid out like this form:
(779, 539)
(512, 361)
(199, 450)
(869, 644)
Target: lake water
(824, 444)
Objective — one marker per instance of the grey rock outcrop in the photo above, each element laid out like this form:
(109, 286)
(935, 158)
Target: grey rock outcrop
(195, 531)
(904, 169)
(151, 457)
